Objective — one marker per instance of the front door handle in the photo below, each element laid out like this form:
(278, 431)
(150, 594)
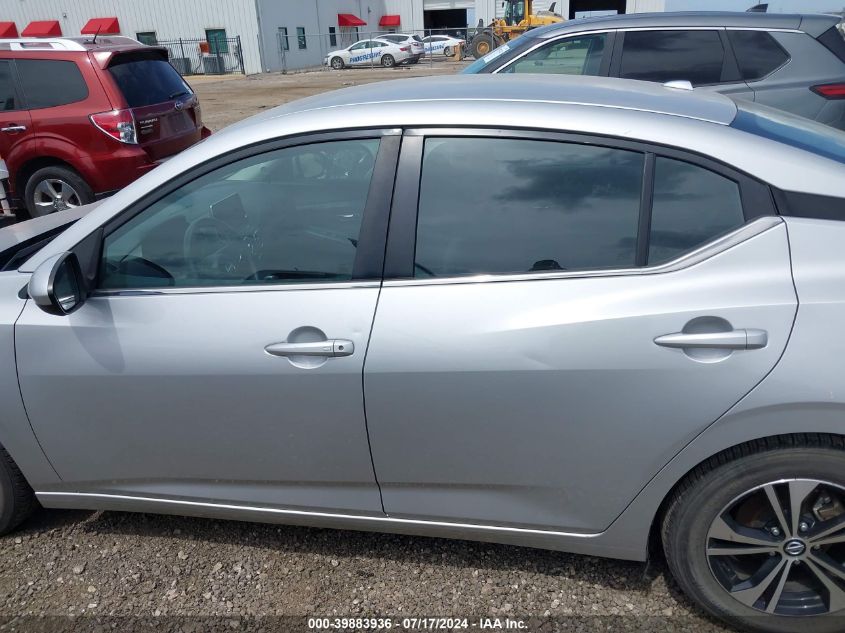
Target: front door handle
(13, 128)
(331, 348)
(733, 339)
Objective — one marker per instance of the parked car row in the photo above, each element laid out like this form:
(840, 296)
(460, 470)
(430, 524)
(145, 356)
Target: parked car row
(80, 119)
(392, 49)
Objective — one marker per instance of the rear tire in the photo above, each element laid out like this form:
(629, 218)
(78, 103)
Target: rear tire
(337, 63)
(482, 44)
(388, 62)
(447, 51)
(735, 489)
(16, 497)
(55, 188)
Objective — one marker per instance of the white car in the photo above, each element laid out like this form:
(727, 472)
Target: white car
(405, 39)
(445, 44)
(369, 52)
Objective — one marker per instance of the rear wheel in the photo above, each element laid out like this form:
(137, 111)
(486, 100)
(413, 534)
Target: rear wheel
(387, 61)
(447, 51)
(16, 497)
(760, 541)
(55, 188)
(337, 63)
(482, 44)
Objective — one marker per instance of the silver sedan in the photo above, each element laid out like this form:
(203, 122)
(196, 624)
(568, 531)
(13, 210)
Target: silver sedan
(564, 313)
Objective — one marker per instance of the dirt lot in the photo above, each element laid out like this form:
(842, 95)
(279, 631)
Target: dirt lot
(224, 102)
(200, 575)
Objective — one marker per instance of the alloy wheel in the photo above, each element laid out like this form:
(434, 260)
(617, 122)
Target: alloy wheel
(780, 547)
(54, 194)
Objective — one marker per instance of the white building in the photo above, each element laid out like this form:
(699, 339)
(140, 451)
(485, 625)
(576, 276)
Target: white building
(272, 35)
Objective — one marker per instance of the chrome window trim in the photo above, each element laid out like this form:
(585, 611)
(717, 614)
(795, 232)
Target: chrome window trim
(202, 290)
(745, 232)
(69, 496)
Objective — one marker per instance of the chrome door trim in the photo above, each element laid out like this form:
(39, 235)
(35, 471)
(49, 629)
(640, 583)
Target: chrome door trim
(754, 228)
(201, 290)
(68, 497)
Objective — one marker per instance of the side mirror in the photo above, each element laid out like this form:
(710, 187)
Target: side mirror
(57, 285)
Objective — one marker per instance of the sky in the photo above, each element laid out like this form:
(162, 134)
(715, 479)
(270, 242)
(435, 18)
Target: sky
(775, 6)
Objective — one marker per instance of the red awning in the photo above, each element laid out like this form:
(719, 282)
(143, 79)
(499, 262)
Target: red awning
(8, 29)
(390, 20)
(43, 28)
(103, 26)
(347, 19)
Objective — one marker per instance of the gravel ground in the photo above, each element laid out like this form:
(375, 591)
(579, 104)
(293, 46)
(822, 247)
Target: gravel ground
(175, 570)
(63, 563)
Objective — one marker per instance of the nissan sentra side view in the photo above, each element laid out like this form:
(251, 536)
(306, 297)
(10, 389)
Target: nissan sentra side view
(566, 313)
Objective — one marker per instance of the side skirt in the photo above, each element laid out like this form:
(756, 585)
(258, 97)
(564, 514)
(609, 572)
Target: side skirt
(579, 543)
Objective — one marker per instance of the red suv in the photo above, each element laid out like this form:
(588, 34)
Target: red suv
(81, 117)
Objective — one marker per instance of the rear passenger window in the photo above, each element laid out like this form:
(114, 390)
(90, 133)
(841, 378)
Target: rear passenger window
(757, 53)
(520, 206)
(7, 88)
(692, 205)
(696, 56)
(48, 83)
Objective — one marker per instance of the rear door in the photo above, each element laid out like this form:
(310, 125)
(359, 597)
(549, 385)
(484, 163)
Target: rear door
(166, 110)
(546, 341)
(700, 56)
(15, 121)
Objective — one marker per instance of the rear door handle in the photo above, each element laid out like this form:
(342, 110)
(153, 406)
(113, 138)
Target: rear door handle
(332, 348)
(734, 339)
(13, 128)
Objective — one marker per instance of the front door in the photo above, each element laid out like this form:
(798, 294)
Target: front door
(558, 337)
(221, 355)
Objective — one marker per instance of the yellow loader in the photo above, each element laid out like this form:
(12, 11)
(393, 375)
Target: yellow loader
(518, 18)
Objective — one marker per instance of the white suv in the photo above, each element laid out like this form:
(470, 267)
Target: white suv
(414, 41)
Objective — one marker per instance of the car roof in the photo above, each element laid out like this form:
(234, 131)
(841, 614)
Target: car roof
(813, 24)
(470, 89)
(81, 44)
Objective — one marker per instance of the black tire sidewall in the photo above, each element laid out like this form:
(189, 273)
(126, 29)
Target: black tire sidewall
(685, 540)
(86, 195)
(7, 497)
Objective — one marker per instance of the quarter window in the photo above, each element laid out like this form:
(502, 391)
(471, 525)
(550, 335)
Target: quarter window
(292, 215)
(49, 83)
(520, 206)
(8, 101)
(692, 205)
(572, 56)
(757, 53)
(696, 56)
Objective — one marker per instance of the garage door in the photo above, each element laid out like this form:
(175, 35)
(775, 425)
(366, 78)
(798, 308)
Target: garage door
(431, 5)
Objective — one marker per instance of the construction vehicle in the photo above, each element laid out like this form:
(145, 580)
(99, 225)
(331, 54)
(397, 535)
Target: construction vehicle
(518, 18)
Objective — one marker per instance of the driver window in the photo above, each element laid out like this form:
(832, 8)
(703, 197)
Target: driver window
(572, 56)
(288, 216)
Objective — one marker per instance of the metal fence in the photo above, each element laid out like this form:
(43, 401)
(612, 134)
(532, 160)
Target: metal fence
(302, 50)
(219, 56)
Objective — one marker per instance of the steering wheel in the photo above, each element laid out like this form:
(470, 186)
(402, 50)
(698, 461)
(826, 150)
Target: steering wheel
(213, 250)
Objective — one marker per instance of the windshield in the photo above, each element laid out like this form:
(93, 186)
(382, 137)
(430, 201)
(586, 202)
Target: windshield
(791, 130)
(486, 63)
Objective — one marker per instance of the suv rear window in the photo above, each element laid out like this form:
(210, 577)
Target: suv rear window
(696, 56)
(48, 83)
(757, 53)
(146, 80)
(833, 41)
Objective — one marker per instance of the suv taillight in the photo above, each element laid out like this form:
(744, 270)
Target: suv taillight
(830, 91)
(405, 49)
(119, 124)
